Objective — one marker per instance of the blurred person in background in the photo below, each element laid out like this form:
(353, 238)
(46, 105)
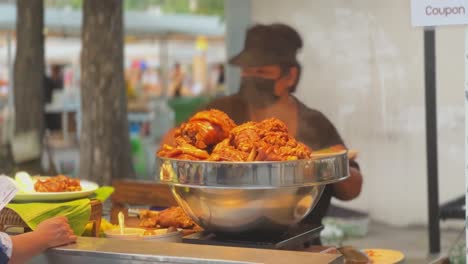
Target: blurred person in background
(270, 74)
(220, 87)
(177, 81)
(52, 83)
(189, 85)
(56, 74)
(134, 79)
(151, 82)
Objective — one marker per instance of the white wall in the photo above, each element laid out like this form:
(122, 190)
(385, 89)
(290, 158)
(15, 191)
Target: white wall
(237, 15)
(364, 68)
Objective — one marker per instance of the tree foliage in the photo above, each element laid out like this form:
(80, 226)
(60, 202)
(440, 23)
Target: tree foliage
(203, 7)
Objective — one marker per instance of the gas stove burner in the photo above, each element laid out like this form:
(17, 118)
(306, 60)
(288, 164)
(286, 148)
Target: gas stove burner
(296, 238)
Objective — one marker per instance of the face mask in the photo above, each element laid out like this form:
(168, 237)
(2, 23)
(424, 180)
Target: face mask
(258, 92)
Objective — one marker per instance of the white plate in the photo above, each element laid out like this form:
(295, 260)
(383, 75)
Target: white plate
(87, 188)
(129, 233)
(160, 235)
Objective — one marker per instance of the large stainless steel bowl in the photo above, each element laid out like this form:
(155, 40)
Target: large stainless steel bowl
(227, 197)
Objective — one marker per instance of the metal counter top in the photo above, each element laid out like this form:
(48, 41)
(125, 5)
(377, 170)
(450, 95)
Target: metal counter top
(101, 250)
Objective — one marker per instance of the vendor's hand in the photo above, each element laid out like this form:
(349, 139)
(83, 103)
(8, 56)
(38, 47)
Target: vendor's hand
(55, 232)
(352, 154)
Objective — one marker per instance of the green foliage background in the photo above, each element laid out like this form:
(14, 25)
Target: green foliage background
(204, 7)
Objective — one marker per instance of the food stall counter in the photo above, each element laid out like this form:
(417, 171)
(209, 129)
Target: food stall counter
(102, 250)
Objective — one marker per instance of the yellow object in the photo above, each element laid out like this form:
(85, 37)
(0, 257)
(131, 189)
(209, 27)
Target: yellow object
(130, 39)
(121, 222)
(105, 225)
(131, 94)
(201, 43)
(24, 182)
(130, 233)
(384, 256)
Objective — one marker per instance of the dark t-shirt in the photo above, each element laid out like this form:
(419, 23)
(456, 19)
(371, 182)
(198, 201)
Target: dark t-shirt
(314, 130)
(3, 258)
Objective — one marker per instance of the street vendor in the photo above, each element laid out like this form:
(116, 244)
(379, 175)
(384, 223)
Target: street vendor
(270, 74)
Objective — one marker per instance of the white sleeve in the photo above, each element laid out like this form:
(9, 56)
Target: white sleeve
(6, 246)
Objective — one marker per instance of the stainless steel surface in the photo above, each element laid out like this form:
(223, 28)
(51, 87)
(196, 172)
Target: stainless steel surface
(243, 197)
(254, 175)
(104, 251)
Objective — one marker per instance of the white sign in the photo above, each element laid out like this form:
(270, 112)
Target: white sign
(439, 12)
(8, 190)
(466, 130)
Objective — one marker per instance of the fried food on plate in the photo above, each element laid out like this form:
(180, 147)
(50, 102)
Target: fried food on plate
(170, 217)
(59, 183)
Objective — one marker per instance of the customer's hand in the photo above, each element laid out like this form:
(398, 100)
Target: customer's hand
(55, 232)
(52, 232)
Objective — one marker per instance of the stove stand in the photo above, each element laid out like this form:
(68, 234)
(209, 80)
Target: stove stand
(297, 238)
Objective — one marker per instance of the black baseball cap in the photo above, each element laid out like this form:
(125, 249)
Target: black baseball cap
(269, 44)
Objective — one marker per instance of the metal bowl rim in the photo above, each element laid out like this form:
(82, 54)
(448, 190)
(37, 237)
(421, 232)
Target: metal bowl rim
(275, 176)
(247, 163)
(254, 187)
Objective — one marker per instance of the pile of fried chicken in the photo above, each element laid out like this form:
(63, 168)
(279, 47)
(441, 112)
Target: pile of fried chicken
(59, 183)
(170, 217)
(212, 135)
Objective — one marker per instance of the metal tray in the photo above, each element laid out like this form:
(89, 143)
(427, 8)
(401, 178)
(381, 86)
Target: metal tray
(254, 175)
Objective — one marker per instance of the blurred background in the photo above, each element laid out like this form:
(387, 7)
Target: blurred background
(363, 68)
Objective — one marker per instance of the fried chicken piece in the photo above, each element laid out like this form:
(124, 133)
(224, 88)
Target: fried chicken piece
(199, 135)
(268, 153)
(278, 144)
(263, 141)
(206, 128)
(240, 146)
(245, 136)
(225, 152)
(148, 218)
(170, 217)
(183, 151)
(215, 117)
(272, 125)
(175, 217)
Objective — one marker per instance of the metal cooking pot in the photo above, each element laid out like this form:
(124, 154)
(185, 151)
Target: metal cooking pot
(241, 197)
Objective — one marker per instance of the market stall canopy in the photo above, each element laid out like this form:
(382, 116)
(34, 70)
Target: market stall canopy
(137, 24)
